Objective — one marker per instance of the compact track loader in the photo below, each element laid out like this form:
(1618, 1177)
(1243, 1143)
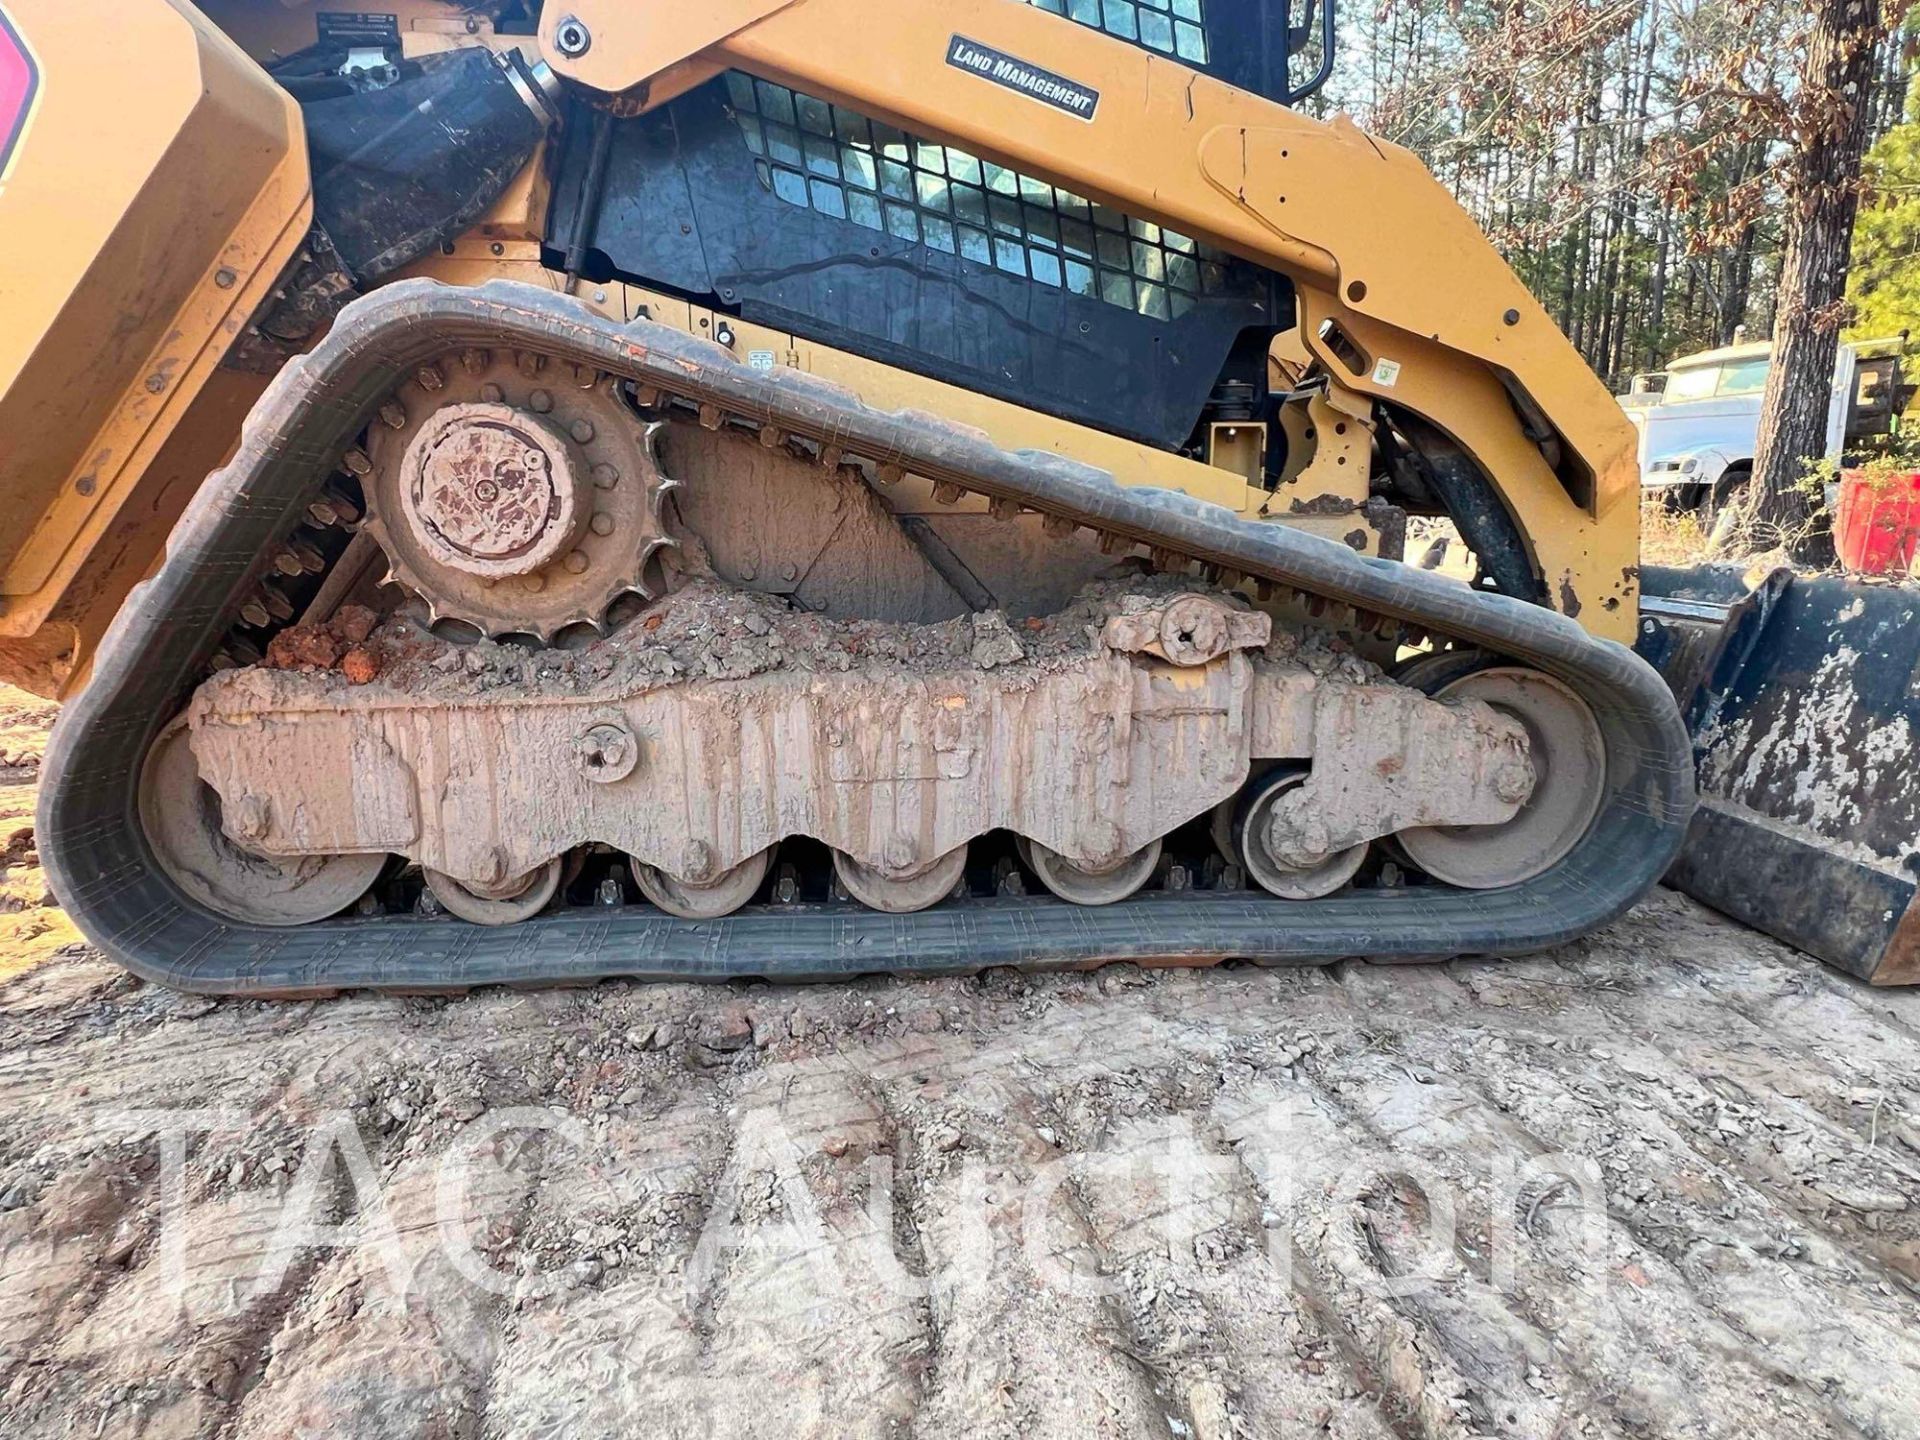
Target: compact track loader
(529, 493)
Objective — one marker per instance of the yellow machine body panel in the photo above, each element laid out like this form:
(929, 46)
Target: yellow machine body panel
(602, 533)
(156, 191)
(159, 189)
(1401, 296)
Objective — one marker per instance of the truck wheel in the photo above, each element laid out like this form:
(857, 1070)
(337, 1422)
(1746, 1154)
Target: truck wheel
(1727, 492)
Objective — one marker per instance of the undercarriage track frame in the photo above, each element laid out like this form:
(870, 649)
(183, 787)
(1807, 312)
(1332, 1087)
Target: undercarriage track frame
(102, 868)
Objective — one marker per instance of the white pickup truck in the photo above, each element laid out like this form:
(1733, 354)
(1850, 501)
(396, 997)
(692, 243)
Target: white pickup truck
(1699, 419)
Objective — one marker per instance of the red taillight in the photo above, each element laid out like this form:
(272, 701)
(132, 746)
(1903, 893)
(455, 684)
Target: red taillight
(18, 80)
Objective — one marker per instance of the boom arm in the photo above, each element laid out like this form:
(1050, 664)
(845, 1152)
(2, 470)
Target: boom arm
(1400, 295)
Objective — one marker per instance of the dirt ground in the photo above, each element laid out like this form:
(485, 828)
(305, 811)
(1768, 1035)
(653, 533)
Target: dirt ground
(1661, 1182)
(31, 928)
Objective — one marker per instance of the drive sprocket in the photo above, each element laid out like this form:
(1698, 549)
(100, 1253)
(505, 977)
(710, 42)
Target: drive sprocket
(515, 496)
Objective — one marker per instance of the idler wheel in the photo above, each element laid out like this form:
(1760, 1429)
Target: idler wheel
(1569, 761)
(181, 814)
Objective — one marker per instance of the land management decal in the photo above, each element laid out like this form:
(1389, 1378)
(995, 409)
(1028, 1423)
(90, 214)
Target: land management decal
(1029, 80)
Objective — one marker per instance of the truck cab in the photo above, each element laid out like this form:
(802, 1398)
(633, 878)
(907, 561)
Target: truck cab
(1699, 429)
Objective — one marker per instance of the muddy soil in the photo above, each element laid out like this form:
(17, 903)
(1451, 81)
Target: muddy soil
(32, 928)
(709, 631)
(1662, 1182)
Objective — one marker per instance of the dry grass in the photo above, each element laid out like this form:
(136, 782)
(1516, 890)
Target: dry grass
(1679, 538)
(1671, 537)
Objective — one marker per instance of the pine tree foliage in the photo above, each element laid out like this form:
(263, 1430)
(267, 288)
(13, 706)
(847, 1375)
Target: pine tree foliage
(1885, 284)
(1629, 157)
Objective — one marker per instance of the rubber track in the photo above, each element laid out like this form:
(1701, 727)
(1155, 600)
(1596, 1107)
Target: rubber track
(100, 866)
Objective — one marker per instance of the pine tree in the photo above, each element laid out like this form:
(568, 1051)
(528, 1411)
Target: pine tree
(1884, 287)
(1831, 114)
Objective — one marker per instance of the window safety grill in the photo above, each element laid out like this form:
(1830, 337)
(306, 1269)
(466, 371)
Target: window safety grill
(1173, 27)
(827, 159)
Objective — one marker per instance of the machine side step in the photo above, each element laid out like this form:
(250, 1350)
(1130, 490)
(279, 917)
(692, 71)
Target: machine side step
(102, 868)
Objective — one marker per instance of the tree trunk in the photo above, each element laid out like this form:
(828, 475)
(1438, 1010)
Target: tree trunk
(1605, 280)
(1822, 199)
(1656, 350)
(1736, 288)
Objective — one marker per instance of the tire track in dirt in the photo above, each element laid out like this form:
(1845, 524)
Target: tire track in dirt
(65, 1282)
(918, 1176)
(1023, 1338)
(624, 1184)
(1450, 1360)
(1012, 1346)
(1787, 1298)
(1811, 1134)
(1247, 1350)
(1532, 1315)
(912, 1149)
(1159, 1068)
(1773, 998)
(752, 1294)
(1784, 1111)
(152, 1358)
(401, 1331)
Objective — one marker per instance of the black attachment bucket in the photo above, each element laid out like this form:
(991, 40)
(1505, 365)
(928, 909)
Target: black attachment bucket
(1803, 699)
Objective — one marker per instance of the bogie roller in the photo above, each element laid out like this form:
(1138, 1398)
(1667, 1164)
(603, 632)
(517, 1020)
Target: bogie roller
(709, 896)
(505, 903)
(1287, 853)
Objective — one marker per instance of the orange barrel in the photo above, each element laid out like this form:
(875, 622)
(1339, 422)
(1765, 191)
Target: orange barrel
(1876, 522)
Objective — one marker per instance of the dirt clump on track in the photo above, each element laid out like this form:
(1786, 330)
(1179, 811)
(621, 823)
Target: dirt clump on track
(710, 632)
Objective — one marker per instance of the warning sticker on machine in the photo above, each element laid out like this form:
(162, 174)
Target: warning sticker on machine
(1030, 80)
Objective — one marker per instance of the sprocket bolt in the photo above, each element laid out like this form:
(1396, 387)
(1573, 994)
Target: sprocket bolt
(696, 862)
(607, 752)
(1513, 782)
